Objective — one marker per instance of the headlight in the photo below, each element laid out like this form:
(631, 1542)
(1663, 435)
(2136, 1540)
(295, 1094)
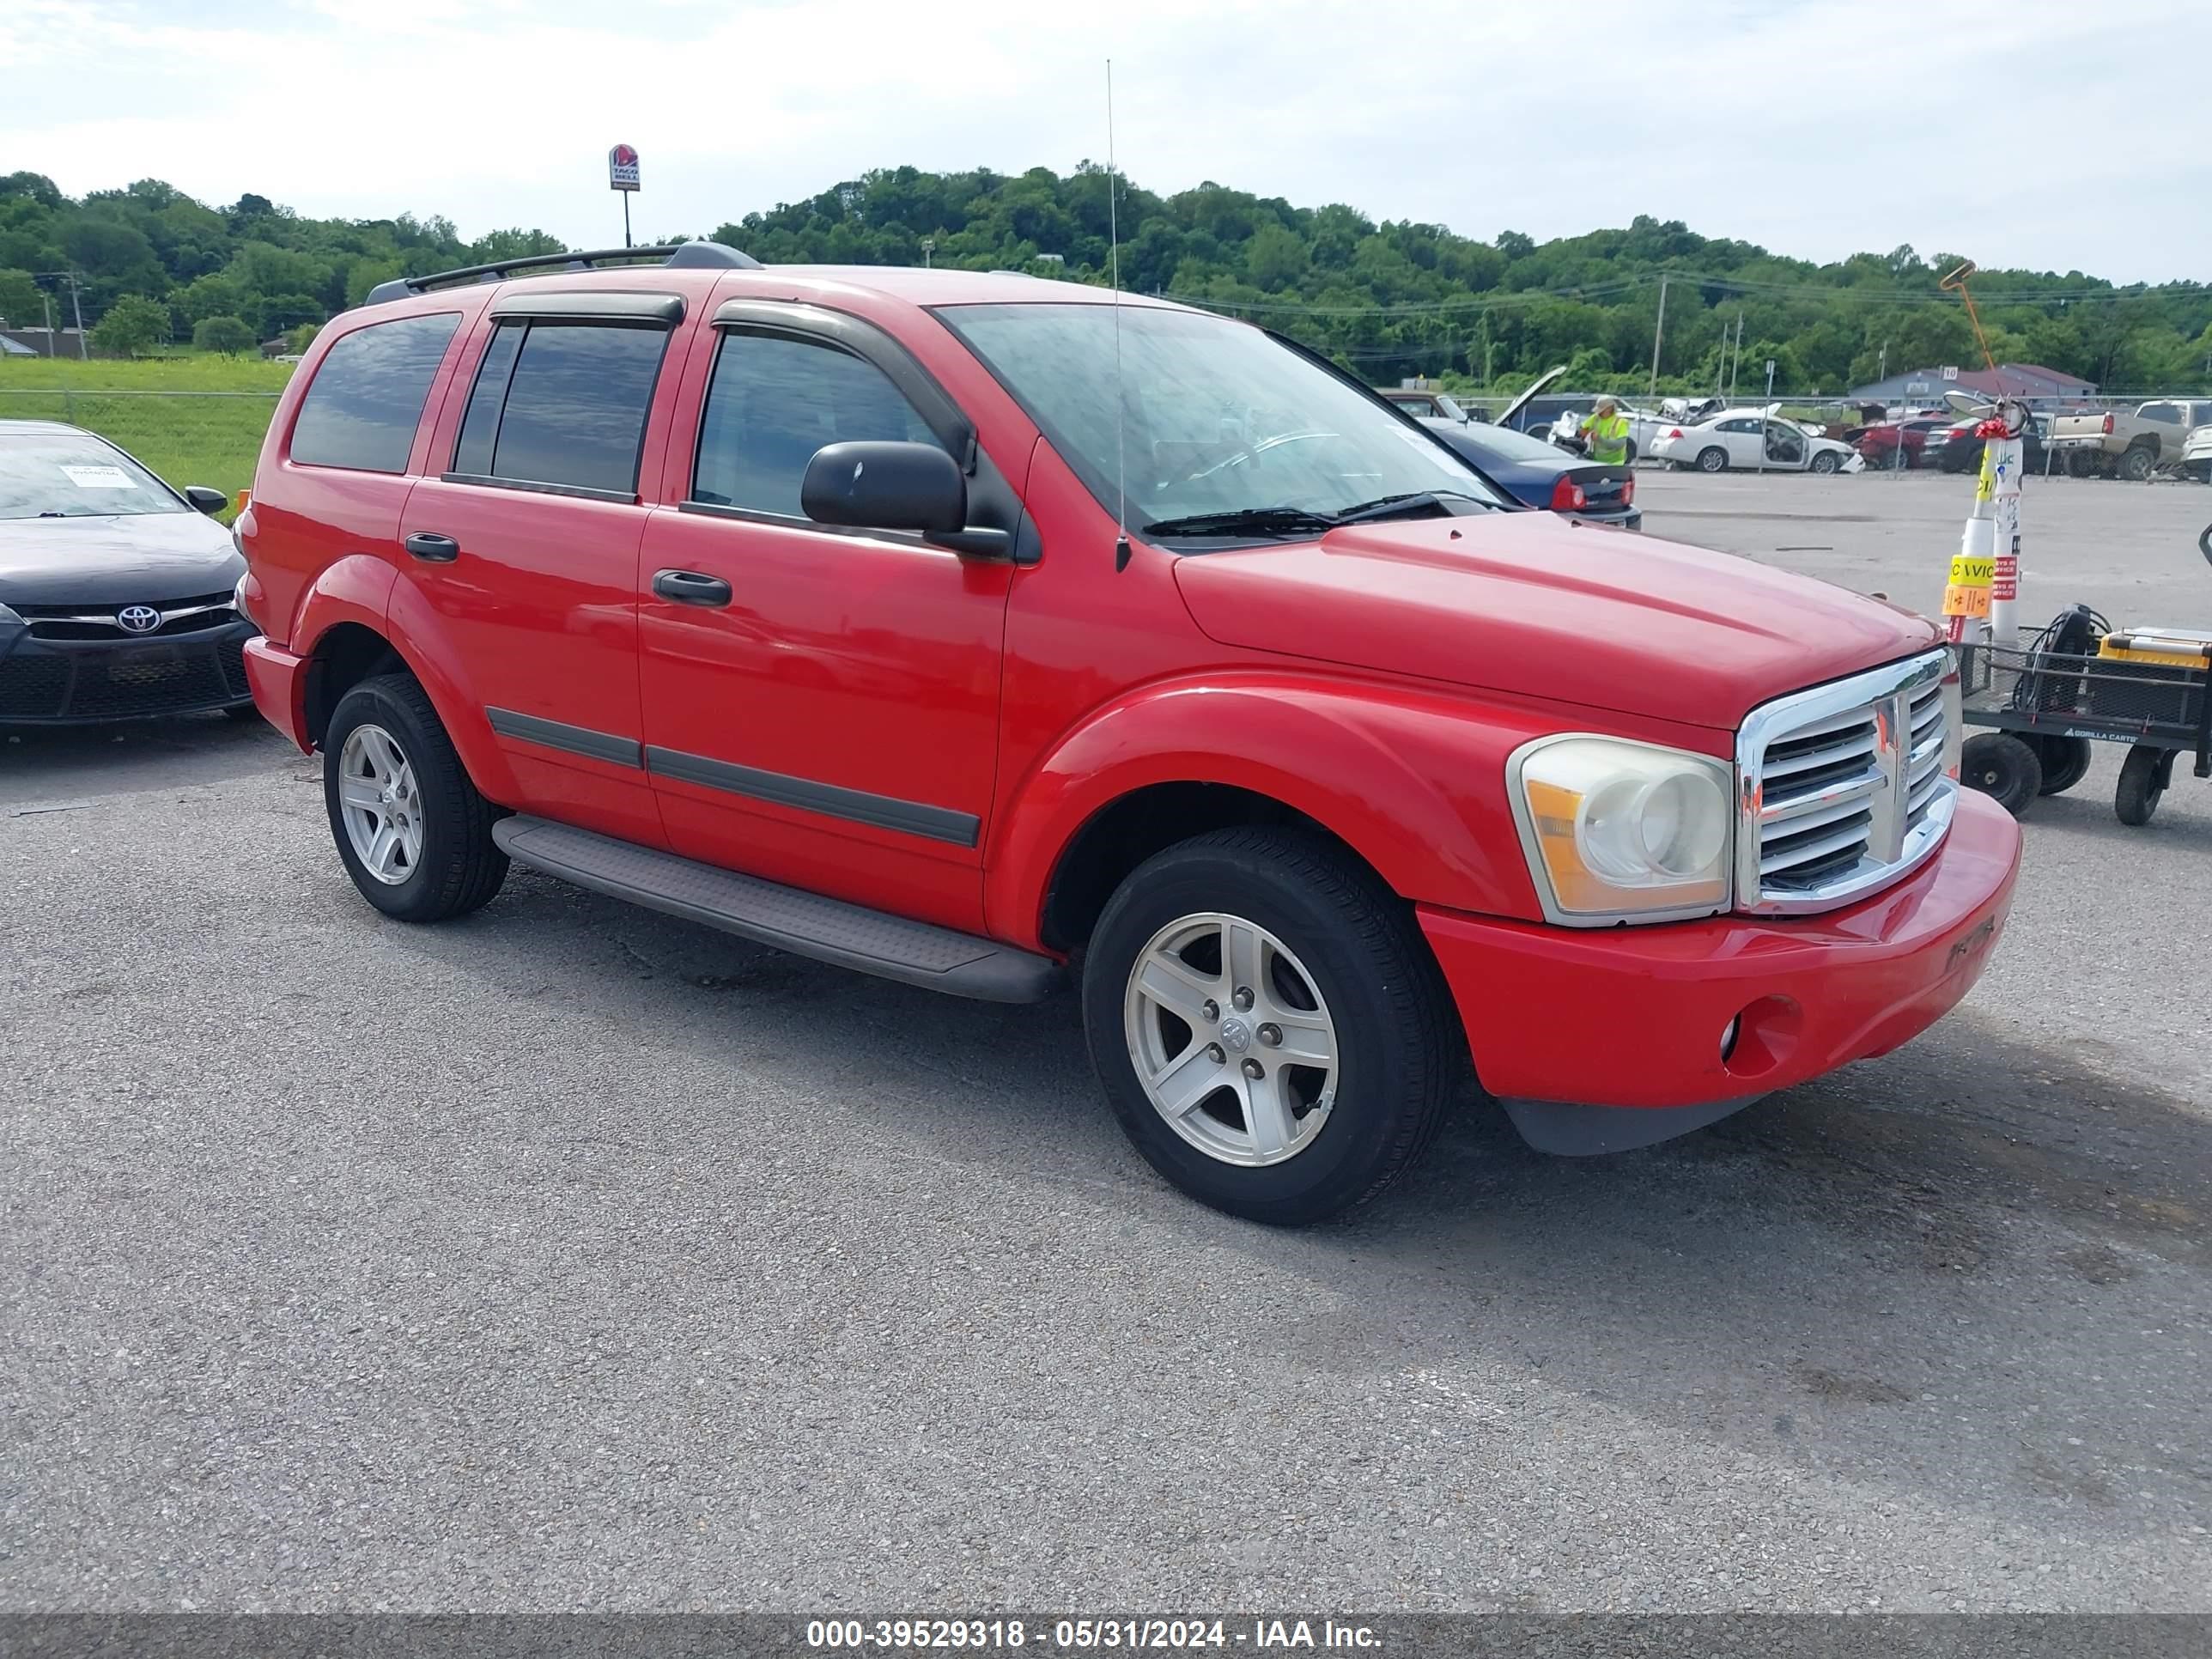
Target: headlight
(1622, 831)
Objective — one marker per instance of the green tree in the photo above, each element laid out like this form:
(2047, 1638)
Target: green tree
(301, 336)
(103, 247)
(19, 300)
(497, 245)
(227, 335)
(132, 327)
(211, 296)
(285, 311)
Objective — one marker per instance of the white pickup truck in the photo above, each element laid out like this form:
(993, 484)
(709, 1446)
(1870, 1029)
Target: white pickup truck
(2131, 445)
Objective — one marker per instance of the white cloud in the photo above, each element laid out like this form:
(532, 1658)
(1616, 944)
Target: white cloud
(1814, 130)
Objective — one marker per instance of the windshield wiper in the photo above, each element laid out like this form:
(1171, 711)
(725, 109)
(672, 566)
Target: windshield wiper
(1245, 521)
(1407, 505)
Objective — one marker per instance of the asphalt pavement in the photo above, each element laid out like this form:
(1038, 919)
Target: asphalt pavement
(572, 1257)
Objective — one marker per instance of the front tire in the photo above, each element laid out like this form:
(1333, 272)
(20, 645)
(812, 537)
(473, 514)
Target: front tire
(1714, 459)
(1826, 461)
(2004, 768)
(410, 828)
(2143, 781)
(1268, 1025)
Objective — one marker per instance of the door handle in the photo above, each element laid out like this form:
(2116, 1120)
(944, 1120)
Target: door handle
(690, 587)
(432, 548)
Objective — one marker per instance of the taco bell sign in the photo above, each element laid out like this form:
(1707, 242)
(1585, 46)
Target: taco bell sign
(622, 168)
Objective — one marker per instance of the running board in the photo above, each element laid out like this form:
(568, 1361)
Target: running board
(805, 924)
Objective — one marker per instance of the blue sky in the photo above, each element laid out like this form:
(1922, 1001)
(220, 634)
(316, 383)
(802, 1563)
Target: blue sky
(1815, 128)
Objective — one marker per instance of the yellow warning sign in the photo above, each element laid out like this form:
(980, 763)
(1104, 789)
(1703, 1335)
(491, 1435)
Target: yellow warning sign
(1969, 572)
(1967, 599)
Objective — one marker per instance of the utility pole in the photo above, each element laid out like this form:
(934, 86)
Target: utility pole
(48, 301)
(1735, 367)
(1881, 370)
(1658, 332)
(928, 248)
(76, 305)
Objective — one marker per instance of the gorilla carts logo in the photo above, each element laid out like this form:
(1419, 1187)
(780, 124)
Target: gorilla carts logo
(137, 619)
(622, 168)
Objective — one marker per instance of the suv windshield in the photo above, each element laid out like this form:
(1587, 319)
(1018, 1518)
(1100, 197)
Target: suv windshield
(57, 476)
(1219, 423)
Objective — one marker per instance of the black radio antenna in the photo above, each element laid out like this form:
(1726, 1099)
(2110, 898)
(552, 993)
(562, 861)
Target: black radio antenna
(1121, 404)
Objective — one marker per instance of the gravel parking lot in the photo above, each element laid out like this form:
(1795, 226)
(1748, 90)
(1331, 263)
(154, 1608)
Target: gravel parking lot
(573, 1257)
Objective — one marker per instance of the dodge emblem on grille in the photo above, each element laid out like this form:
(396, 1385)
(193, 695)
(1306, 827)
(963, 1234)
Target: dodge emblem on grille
(137, 619)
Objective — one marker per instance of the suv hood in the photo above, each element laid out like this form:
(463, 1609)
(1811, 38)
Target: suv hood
(1532, 605)
(121, 559)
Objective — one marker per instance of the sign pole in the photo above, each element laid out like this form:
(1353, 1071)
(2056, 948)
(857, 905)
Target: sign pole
(621, 175)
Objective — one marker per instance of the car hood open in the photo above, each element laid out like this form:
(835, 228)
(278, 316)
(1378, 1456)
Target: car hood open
(1532, 605)
(144, 558)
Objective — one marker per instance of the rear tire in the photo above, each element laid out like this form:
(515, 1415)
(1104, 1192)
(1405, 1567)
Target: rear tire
(2004, 768)
(1714, 459)
(2081, 463)
(2065, 762)
(2138, 463)
(2143, 781)
(453, 866)
(1335, 949)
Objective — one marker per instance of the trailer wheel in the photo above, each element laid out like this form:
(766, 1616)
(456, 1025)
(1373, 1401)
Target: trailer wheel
(2004, 768)
(2065, 762)
(2142, 780)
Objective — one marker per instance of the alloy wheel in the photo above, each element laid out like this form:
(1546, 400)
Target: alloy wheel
(380, 804)
(1230, 1039)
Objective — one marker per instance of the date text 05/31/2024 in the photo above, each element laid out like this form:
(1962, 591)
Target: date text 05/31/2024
(1087, 1633)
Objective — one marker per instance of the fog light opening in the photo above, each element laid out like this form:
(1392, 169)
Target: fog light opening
(1761, 1037)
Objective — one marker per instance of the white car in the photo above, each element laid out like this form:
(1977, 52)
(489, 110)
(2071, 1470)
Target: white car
(2197, 454)
(1752, 439)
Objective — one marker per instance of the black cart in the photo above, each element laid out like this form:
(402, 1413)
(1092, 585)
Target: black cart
(2076, 684)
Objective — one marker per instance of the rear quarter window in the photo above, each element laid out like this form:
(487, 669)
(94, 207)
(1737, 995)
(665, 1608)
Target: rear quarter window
(367, 399)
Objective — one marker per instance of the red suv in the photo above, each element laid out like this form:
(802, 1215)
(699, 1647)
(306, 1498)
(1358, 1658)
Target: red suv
(982, 632)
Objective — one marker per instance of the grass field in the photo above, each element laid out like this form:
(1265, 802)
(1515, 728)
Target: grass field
(194, 420)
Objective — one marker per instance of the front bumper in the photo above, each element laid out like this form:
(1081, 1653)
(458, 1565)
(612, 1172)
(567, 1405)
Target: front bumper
(1600, 1040)
(85, 682)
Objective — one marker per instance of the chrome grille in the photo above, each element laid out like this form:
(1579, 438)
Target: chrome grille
(1843, 788)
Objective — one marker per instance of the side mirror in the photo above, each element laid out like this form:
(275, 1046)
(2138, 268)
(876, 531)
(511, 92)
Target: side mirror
(886, 486)
(204, 500)
(896, 486)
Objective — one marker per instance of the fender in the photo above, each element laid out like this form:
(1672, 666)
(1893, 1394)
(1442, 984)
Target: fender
(365, 589)
(357, 589)
(1411, 781)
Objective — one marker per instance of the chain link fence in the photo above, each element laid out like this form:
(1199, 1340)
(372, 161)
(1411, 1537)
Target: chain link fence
(188, 437)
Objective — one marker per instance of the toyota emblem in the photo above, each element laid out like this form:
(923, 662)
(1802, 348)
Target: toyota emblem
(138, 619)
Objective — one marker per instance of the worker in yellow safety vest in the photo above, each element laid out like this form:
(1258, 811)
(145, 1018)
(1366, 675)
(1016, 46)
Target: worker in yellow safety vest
(1605, 429)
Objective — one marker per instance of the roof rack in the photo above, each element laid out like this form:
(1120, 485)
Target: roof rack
(676, 255)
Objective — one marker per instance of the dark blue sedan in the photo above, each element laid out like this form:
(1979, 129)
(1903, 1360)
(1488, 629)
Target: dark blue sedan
(1542, 475)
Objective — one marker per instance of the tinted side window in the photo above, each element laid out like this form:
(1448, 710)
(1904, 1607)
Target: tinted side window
(562, 404)
(480, 425)
(2165, 414)
(367, 395)
(773, 402)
